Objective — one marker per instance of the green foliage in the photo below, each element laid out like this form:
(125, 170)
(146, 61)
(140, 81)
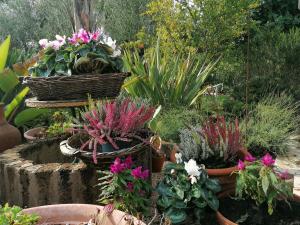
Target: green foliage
(60, 122)
(278, 13)
(169, 122)
(204, 26)
(28, 21)
(92, 57)
(14, 216)
(262, 184)
(122, 18)
(167, 81)
(181, 199)
(271, 123)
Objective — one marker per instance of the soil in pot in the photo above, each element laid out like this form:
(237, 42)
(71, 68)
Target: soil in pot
(249, 213)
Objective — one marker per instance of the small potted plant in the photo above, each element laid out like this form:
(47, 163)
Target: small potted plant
(126, 186)
(111, 129)
(186, 193)
(60, 126)
(216, 144)
(71, 68)
(261, 196)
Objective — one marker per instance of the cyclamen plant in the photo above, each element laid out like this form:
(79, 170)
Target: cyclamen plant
(115, 122)
(186, 191)
(259, 181)
(84, 52)
(128, 187)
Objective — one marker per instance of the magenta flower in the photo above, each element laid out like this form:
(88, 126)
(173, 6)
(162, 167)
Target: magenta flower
(95, 35)
(284, 175)
(74, 40)
(84, 36)
(128, 162)
(130, 186)
(267, 160)
(117, 166)
(241, 165)
(137, 173)
(250, 158)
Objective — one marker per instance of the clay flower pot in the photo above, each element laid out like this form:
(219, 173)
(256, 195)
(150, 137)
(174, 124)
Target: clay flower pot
(35, 134)
(158, 163)
(76, 214)
(222, 220)
(9, 135)
(226, 176)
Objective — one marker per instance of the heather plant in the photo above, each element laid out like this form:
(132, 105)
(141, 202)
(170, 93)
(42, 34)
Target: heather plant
(114, 122)
(258, 180)
(126, 187)
(271, 123)
(82, 53)
(215, 140)
(14, 216)
(186, 192)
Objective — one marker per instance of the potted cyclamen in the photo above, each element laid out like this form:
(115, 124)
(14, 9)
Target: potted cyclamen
(186, 193)
(126, 186)
(261, 196)
(112, 129)
(216, 144)
(72, 68)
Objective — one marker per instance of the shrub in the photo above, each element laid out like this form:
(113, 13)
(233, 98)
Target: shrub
(14, 216)
(271, 123)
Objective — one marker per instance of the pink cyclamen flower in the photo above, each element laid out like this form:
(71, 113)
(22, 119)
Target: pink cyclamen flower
(250, 158)
(137, 173)
(95, 35)
(267, 160)
(130, 186)
(241, 165)
(117, 166)
(84, 36)
(61, 39)
(43, 42)
(284, 175)
(74, 39)
(128, 162)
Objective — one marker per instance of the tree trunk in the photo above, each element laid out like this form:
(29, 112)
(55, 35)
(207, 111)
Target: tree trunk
(83, 15)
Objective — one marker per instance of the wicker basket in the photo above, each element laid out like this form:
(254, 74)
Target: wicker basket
(76, 86)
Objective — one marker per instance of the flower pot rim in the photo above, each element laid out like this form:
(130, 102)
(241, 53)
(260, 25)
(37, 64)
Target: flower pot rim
(29, 133)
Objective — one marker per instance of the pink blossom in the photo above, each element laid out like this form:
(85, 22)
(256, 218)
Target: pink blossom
(284, 175)
(130, 186)
(43, 42)
(74, 39)
(54, 44)
(117, 166)
(267, 160)
(137, 173)
(250, 158)
(128, 162)
(241, 165)
(84, 36)
(95, 35)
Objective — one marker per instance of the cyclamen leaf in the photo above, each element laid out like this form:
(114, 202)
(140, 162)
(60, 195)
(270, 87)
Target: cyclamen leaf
(265, 184)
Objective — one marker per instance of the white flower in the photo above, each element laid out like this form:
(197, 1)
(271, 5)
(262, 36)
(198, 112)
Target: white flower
(192, 168)
(193, 179)
(43, 42)
(61, 39)
(172, 171)
(178, 157)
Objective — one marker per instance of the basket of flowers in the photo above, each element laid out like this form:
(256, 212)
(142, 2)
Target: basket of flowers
(113, 129)
(72, 68)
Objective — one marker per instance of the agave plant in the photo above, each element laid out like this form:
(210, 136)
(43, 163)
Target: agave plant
(166, 81)
(113, 122)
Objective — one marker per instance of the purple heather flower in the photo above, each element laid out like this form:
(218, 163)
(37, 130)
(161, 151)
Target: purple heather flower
(250, 158)
(267, 160)
(117, 166)
(241, 165)
(137, 173)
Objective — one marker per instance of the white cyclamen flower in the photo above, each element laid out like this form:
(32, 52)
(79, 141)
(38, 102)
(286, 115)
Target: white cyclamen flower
(43, 42)
(193, 179)
(172, 171)
(178, 157)
(192, 168)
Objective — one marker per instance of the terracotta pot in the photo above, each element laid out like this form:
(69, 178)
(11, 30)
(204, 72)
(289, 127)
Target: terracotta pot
(34, 134)
(226, 176)
(9, 135)
(75, 214)
(158, 163)
(222, 220)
